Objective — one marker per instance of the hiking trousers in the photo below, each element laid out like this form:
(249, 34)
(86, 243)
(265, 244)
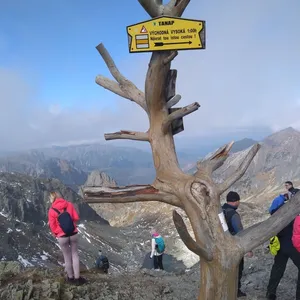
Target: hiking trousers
(279, 267)
(158, 264)
(69, 248)
(241, 269)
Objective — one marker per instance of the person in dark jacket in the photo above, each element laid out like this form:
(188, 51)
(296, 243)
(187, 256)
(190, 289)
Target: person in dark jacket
(290, 189)
(102, 262)
(234, 224)
(286, 251)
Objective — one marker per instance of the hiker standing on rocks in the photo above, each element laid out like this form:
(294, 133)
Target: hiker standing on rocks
(158, 249)
(290, 189)
(62, 218)
(285, 248)
(234, 224)
(102, 262)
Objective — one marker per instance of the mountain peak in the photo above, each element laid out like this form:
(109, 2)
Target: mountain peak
(282, 135)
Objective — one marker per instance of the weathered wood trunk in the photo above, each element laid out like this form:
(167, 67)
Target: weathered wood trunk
(219, 276)
(198, 195)
(218, 280)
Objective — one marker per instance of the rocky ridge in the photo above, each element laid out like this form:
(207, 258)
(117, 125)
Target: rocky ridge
(17, 283)
(277, 161)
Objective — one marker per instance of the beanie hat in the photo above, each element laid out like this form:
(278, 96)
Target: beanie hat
(233, 197)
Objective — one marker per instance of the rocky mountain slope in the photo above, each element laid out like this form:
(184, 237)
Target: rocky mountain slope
(36, 164)
(278, 160)
(39, 283)
(26, 237)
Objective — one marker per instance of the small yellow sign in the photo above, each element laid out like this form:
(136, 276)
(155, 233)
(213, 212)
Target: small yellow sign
(166, 33)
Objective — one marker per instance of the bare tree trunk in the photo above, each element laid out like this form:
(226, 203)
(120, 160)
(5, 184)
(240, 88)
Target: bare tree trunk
(198, 195)
(219, 279)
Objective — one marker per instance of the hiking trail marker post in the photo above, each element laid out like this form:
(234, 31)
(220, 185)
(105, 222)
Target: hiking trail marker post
(167, 34)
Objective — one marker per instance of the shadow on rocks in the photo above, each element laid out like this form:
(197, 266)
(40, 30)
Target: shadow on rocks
(170, 263)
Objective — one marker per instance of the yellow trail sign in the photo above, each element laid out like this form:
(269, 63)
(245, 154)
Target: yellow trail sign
(166, 33)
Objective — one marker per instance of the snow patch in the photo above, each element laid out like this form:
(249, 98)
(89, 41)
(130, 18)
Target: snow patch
(44, 257)
(46, 253)
(17, 229)
(9, 230)
(82, 226)
(87, 239)
(24, 261)
(88, 234)
(3, 214)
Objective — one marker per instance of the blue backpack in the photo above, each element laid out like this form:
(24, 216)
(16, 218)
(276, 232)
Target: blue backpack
(160, 244)
(277, 203)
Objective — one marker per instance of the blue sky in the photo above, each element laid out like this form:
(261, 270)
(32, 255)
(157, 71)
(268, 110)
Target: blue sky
(53, 43)
(246, 81)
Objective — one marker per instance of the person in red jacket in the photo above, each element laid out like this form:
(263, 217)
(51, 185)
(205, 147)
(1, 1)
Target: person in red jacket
(67, 242)
(296, 233)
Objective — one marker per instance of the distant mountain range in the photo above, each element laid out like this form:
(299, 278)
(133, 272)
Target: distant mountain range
(72, 164)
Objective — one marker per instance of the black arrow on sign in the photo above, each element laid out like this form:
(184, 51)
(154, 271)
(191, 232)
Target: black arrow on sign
(159, 44)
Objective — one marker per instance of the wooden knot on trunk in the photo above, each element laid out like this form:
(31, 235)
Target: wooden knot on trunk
(196, 194)
(200, 192)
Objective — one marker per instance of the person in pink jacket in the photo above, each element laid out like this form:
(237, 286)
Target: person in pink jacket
(62, 218)
(296, 233)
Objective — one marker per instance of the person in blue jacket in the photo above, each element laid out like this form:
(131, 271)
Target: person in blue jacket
(277, 203)
(287, 250)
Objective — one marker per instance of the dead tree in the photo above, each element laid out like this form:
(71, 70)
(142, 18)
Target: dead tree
(198, 195)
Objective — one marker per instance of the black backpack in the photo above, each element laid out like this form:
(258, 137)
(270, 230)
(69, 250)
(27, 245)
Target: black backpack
(65, 221)
(229, 213)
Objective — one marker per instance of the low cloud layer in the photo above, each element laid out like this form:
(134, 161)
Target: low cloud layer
(247, 78)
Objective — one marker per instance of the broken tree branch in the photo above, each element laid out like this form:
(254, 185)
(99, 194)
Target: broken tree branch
(127, 135)
(215, 161)
(257, 234)
(187, 239)
(170, 57)
(240, 171)
(173, 101)
(111, 65)
(126, 194)
(111, 85)
(179, 114)
(153, 7)
(125, 87)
